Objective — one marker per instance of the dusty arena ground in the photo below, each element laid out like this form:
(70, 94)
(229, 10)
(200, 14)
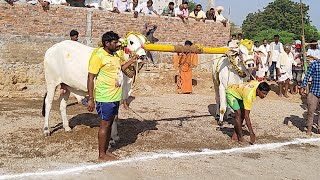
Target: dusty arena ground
(159, 121)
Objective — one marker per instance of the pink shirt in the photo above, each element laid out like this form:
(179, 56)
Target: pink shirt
(122, 6)
(185, 13)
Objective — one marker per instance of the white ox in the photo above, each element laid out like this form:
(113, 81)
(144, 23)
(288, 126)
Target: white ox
(67, 62)
(226, 73)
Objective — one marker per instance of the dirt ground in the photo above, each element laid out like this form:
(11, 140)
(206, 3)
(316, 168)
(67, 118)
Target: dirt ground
(159, 121)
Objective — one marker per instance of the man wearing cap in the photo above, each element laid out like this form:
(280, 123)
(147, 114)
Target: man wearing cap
(297, 70)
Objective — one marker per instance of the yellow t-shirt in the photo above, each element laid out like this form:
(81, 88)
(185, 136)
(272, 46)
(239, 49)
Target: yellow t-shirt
(245, 91)
(107, 68)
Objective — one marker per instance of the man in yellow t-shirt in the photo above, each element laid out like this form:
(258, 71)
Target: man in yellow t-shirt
(106, 66)
(240, 98)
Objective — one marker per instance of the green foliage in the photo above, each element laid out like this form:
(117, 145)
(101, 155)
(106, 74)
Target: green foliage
(281, 15)
(285, 36)
(191, 5)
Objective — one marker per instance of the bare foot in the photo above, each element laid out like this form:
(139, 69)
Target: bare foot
(126, 107)
(242, 141)
(280, 95)
(112, 155)
(286, 95)
(234, 137)
(107, 157)
(309, 133)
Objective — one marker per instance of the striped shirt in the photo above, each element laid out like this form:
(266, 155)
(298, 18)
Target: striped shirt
(314, 72)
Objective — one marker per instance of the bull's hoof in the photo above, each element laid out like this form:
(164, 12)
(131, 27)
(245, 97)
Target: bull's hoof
(46, 132)
(67, 129)
(217, 117)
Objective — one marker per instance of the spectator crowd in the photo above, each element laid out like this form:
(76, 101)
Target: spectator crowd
(281, 63)
(141, 8)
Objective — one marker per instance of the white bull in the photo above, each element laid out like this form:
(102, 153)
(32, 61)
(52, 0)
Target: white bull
(67, 62)
(233, 69)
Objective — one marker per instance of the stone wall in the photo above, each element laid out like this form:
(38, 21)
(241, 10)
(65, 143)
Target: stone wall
(26, 32)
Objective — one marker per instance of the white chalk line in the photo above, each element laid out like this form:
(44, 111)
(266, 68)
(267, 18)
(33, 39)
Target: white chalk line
(256, 147)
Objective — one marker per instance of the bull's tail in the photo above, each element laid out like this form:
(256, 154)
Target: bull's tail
(44, 105)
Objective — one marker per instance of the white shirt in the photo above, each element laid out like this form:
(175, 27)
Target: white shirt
(265, 49)
(144, 9)
(314, 52)
(121, 5)
(220, 17)
(275, 50)
(56, 1)
(107, 5)
(95, 3)
(177, 11)
(136, 9)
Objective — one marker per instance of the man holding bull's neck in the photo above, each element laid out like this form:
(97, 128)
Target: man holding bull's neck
(106, 67)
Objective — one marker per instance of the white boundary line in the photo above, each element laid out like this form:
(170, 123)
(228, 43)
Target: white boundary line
(161, 155)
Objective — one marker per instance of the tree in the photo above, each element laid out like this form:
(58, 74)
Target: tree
(285, 36)
(281, 15)
(191, 5)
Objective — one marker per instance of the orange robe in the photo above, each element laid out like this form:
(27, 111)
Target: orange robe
(184, 63)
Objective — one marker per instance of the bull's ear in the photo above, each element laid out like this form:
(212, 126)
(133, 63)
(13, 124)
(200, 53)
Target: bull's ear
(232, 52)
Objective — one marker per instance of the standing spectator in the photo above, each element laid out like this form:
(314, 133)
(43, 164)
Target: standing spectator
(148, 32)
(284, 69)
(169, 10)
(74, 34)
(198, 14)
(211, 15)
(314, 94)
(107, 5)
(120, 6)
(146, 8)
(276, 48)
(233, 43)
(220, 17)
(240, 37)
(313, 53)
(92, 3)
(184, 62)
(265, 49)
(297, 70)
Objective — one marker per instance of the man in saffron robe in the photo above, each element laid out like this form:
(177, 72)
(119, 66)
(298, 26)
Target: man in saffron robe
(184, 62)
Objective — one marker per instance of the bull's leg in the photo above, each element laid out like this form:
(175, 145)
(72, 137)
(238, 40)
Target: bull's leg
(223, 103)
(63, 109)
(216, 90)
(48, 104)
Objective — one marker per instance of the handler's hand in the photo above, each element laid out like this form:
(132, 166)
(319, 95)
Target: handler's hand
(134, 58)
(252, 138)
(90, 105)
(302, 91)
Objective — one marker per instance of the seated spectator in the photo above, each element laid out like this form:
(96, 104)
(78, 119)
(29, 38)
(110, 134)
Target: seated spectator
(169, 10)
(107, 5)
(135, 7)
(220, 17)
(74, 35)
(185, 9)
(146, 8)
(211, 15)
(198, 14)
(120, 6)
(92, 3)
(178, 12)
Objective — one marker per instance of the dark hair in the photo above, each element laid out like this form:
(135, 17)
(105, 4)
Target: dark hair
(264, 86)
(265, 39)
(171, 3)
(256, 42)
(74, 32)
(149, 1)
(211, 9)
(313, 41)
(198, 5)
(185, 2)
(188, 43)
(233, 35)
(109, 36)
(276, 36)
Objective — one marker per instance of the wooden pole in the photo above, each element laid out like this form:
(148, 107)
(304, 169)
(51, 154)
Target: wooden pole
(305, 66)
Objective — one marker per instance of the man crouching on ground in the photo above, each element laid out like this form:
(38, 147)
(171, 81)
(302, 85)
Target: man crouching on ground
(240, 98)
(106, 67)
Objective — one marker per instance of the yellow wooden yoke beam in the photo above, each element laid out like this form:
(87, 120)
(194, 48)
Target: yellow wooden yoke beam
(180, 48)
